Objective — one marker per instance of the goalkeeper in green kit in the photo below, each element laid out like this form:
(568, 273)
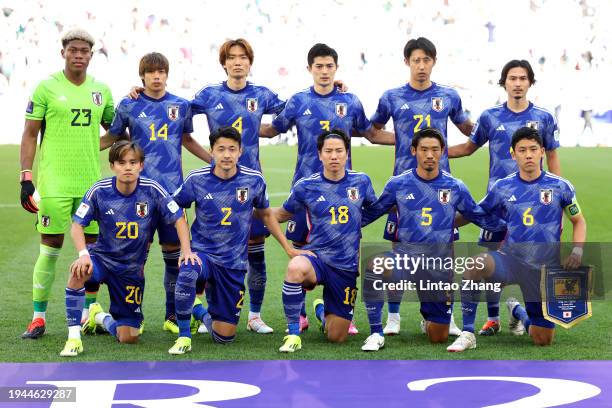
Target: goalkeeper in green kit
(66, 109)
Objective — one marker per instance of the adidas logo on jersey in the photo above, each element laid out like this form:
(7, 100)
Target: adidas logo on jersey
(405, 107)
(321, 198)
(501, 127)
(410, 196)
(306, 112)
(110, 212)
(219, 107)
(62, 98)
(137, 310)
(513, 198)
(208, 196)
(142, 115)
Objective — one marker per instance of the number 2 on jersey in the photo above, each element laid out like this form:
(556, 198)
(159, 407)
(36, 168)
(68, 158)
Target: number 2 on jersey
(162, 133)
(419, 119)
(227, 211)
(324, 124)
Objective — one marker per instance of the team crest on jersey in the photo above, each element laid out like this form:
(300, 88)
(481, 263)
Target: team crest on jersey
(142, 209)
(251, 104)
(437, 104)
(45, 220)
(291, 226)
(242, 194)
(534, 124)
(444, 195)
(546, 196)
(173, 112)
(352, 193)
(96, 97)
(30, 107)
(391, 227)
(341, 109)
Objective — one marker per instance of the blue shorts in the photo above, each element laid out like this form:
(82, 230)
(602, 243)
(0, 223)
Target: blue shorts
(297, 227)
(166, 233)
(391, 228)
(339, 288)
(491, 239)
(511, 270)
(224, 290)
(125, 290)
(258, 229)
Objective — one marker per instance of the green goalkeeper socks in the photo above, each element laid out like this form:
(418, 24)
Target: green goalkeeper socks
(44, 275)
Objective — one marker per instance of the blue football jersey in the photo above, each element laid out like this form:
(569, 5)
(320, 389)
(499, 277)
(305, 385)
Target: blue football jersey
(157, 125)
(497, 125)
(312, 114)
(126, 222)
(224, 211)
(533, 211)
(413, 110)
(241, 109)
(426, 208)
(333, 213)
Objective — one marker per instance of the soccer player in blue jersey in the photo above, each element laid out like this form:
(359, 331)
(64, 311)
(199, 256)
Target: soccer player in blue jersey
(161, 124)
(496, 126)
(427, 199)
(227, 195)
(241, 104)
(320, 107)
(418, 104)
(532, 202)
(127, 208)
(333, 201)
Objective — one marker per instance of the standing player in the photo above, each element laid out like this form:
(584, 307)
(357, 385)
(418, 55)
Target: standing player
(67, 109)
(241, 104)
(320, 108)
(128, 209)
(333, 200)
(227, 195)
(531, 202)
(427, 199)
(161, 124)
(418, 104)
(496, 126)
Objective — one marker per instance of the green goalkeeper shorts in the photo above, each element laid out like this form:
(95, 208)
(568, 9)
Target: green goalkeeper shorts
(55, 215)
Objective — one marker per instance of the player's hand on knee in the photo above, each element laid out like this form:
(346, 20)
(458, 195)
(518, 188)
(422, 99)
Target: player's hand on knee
(189, 257)
(27, 196)
(82, 267)
(135, 91)
(297, 252)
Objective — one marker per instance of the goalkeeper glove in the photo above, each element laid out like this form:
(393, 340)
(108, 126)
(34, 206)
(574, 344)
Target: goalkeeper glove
(27, 192)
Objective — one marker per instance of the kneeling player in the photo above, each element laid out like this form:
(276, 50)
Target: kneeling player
(227, 196)
(333, 201)
(427, 199)
(127, 209)
(532, 202)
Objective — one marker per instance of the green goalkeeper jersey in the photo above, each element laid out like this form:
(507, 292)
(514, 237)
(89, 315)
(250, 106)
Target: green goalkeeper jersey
(70, 133)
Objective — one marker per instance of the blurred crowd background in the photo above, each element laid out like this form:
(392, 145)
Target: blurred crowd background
(567, 42)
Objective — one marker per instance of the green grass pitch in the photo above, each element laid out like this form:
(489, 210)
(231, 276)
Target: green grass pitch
(588, 169)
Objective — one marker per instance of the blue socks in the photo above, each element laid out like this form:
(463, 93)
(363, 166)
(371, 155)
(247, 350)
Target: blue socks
(170, 275)
(110, 325)
(394, 307)
(374, 310)
(520, 313)
(320, 313)
(293, 298)
(256, 278)
(493, 304)
(75, 300)
(185, 295)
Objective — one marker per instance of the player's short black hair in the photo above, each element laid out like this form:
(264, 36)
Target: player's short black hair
(321, 50)
(526, 133)
(516, 64)
(225, 131)
(333, 134)
(428, 132)
(420, 43)
(120, 148)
